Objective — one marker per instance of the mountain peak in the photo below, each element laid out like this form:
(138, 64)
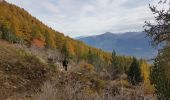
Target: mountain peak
(127, 43)
(108, 33)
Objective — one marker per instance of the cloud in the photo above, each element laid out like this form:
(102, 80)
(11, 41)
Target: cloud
(89, 17)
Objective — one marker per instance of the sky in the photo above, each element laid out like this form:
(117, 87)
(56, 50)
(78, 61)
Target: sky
(89, 17)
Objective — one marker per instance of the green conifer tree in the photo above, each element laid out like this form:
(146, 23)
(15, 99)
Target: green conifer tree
(134, 73)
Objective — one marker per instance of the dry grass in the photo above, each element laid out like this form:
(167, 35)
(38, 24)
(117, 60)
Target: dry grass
(20, 71)
(25, 76)
(65, 87)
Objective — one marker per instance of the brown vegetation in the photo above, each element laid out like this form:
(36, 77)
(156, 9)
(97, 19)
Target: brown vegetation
(20, 72)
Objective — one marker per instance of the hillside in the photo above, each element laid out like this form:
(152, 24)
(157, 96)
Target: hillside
(18, 26)
(27, 75)
(31, 64)
(20, 71)
(130, 43)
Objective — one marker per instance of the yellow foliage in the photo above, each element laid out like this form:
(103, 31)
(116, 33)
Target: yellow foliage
(145, 73)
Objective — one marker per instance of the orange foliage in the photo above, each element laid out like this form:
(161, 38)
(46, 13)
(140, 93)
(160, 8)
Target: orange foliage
(38, 43)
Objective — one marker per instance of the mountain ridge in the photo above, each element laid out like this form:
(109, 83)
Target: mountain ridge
(128, 43)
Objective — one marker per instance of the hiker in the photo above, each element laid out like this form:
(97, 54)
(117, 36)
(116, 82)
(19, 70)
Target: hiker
(65, 64)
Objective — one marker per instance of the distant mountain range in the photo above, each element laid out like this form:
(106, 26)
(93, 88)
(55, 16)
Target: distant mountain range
(129, 43)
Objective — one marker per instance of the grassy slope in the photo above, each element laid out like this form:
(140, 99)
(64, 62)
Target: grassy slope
(19, 71)
(23, 76)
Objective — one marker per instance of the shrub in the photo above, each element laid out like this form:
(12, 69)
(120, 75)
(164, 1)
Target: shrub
(87, 67)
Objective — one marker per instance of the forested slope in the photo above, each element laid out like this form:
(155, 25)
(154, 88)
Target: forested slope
(18, 26)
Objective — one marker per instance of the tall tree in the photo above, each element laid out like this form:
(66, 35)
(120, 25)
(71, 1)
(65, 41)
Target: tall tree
(134, 73)
(160, 73)
(160, 34)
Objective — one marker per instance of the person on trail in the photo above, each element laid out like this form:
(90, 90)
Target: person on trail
(65, 64)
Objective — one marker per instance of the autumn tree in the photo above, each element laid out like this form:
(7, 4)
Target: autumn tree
(49, 40)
